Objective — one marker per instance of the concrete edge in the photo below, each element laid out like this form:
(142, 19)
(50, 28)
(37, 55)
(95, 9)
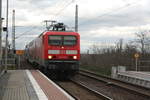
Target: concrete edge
(41, 95)
(64, 92)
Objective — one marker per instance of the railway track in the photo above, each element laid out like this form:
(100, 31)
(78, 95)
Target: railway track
(81, 92)
(115, 89)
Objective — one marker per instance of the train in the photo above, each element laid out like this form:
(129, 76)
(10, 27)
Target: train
(55, 51)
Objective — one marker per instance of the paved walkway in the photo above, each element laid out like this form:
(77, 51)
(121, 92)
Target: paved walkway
(15, 85)
(30, 85)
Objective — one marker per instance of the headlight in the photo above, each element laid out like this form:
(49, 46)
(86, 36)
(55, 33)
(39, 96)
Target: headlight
(74, 57)
(49, 57)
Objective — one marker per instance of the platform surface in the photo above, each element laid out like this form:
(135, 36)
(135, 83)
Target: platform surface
(30, 85)
(15, 85)
(139, 74)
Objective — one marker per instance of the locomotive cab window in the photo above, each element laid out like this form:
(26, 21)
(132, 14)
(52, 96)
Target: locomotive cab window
(69, 40)
(55, 40)
(62, 40)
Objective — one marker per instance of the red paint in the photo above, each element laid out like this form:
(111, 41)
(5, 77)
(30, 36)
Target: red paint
(39, 47)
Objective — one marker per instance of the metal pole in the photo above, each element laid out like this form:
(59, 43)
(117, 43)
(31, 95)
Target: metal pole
(18, 61)
(6, 38)
(0, 32)
(136, 61)
(46, 25)
(76, 19)
(13, 32)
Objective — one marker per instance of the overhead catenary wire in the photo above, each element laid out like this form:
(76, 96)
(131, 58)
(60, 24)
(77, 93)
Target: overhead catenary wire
(111, 12)
(60, 4)
(64, 7)
(30, 30)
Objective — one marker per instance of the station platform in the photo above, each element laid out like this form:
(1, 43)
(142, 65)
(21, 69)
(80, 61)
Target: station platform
(30, 85)
(135, 77)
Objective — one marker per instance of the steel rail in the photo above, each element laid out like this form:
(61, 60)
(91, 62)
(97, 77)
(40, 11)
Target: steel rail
(115, 82)
(102, 96)
(75, 97)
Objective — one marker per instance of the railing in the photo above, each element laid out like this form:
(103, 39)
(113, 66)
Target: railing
(1, 67)
(144, 65)
(10, 62)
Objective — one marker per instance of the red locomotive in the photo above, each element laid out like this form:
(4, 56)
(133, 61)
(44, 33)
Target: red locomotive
(55, 51)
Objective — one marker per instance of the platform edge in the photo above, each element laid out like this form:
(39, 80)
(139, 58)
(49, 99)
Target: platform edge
(63, 91)
(37, 88)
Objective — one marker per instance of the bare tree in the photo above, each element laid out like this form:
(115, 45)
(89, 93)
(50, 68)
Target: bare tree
(95, 49)
(119, 46)
(143, 40)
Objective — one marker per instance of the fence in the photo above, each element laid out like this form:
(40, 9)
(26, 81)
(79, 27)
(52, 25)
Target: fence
(144, 65)
(1, 67)
(11, 63)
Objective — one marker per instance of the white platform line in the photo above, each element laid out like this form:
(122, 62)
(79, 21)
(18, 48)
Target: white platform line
(1, 73)
(65, 93)
(38, 90)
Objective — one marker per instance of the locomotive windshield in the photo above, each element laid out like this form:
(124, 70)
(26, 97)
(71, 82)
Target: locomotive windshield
(62, 40)
(55, 40)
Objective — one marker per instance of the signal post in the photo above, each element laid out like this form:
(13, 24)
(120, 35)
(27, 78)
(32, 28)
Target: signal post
(136, 56)
(19, 53)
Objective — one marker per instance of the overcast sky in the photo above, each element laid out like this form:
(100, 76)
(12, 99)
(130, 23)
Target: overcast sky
(100, 21)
